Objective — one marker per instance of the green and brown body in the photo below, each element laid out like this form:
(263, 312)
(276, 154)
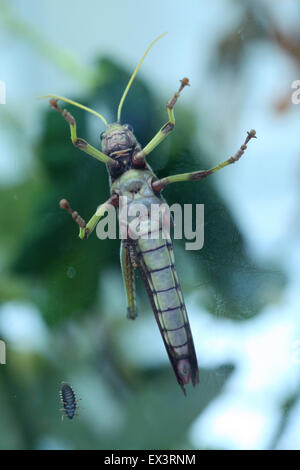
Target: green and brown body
(154, 258)
(133, 179)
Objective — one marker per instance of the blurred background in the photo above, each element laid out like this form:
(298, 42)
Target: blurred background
(63, 308)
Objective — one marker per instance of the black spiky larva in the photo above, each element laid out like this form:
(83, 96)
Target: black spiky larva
(68, 400)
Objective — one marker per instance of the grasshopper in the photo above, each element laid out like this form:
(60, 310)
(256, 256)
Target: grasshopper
(132, 177)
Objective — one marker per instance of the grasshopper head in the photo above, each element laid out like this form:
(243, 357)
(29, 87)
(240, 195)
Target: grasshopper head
(118, 141)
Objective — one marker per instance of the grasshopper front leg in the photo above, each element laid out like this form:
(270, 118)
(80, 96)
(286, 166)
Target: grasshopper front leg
(77, 141)
(86, 229)
(197, 175)
(167, 128)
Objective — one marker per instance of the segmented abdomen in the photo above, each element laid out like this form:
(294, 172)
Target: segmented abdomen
(159, 272)
(68, 399)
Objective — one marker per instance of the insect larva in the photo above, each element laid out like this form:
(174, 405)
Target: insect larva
(68, 400)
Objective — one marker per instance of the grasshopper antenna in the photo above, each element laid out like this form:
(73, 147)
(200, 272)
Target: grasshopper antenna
(134, 74)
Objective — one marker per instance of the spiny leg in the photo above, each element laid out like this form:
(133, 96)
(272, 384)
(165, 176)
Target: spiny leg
(86, 229)
(167, 128)
(197, 175)
(77, 141)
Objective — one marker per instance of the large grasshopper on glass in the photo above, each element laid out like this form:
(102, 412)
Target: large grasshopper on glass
(132, 177)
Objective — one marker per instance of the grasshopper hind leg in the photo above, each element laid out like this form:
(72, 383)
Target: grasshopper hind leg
(129, 264)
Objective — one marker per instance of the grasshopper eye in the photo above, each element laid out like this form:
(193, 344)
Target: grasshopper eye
(129, 127)
(102, 135)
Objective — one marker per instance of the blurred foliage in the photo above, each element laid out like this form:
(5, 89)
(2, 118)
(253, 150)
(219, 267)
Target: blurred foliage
(46, 263)
(256, 23)
(28, 34)
(51, 251)
(61, 273)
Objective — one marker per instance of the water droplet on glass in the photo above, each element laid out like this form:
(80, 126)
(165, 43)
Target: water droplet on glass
(71, 272)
